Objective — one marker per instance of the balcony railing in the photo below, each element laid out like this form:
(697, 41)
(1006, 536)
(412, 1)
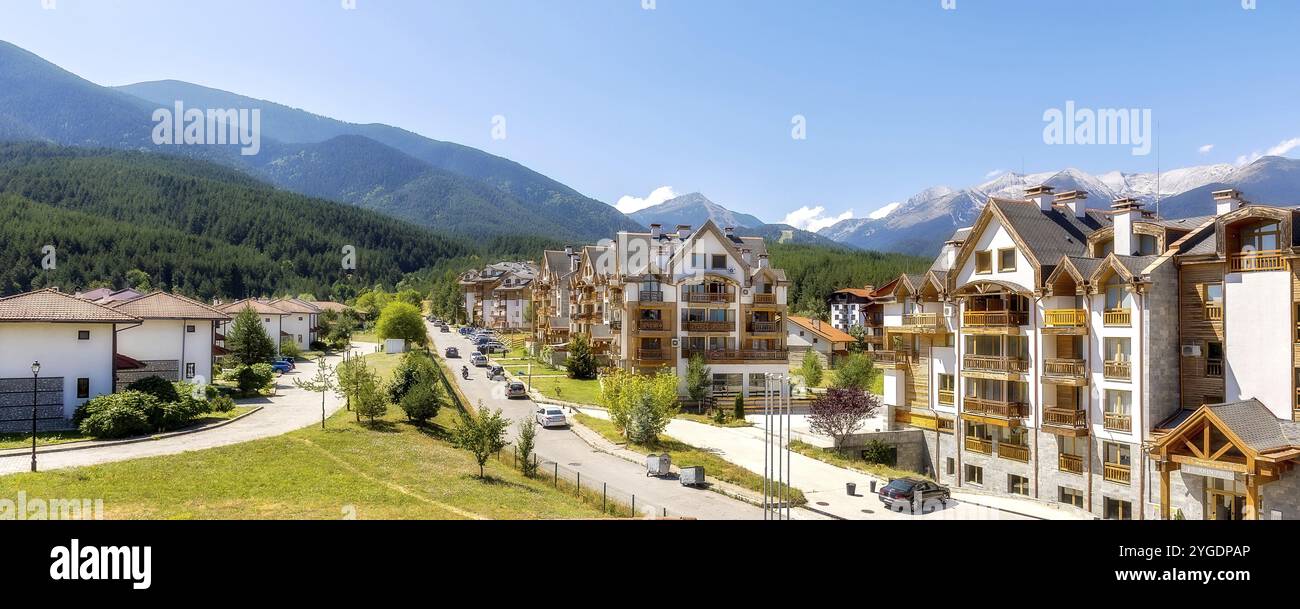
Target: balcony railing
(616, 325)
(922, 321)
(652, 354)
(995, 408)
(1117, 318)
(994, 363)
(947, 397)
(710, 326)
(653, 325)
(1069, 463)
(1214, 367)
(708, 297)
(1114, 472)
(765, 299)
(1065, 417)
(977, 445)
(1265, 260)
(995, 319)
(1213, 312)
(1059, 367)
(1117, 421)
(890, 357)
(764, 327)
(1065, 318)
(651, 296)
(1117, 370)
(734, 355)
(1014, 452)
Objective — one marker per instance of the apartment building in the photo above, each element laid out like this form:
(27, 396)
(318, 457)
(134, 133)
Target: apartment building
(862, 308)
(272, 319)
(552, 297)
(175, 339)
(498, 295)
(651, 301)
(299, 322)
(1116, 363)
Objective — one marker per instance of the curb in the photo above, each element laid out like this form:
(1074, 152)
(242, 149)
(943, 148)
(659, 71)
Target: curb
(89, 444)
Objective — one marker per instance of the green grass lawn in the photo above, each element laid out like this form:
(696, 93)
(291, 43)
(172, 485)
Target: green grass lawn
(368, 336)
(392, 471)
(563, 387)
(708, 420)
(685, 455)
(850, 462)
(51, 438)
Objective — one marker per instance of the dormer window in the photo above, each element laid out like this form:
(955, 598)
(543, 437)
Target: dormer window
(983, 263)
(1007, 260)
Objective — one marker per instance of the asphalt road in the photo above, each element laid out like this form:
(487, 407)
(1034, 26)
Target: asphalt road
(564, 447)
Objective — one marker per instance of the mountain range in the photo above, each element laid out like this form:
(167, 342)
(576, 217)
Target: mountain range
(695, 209)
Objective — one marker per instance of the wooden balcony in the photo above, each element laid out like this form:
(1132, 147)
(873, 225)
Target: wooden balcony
(651, 297)
(995, 408)
(977, 445)
(765, 299)
(1214, 367)
(1264, 260)
(1214, 312)
(1070, 420)
(1115, 370)
(764, 327)
(651, 325)
(925, 323)
(891, 359)
(616, 325)
(995, 319)
(710, 326)
(1117, 318)
(994, 363)
(1114, 472)
(724, 356)
(1065, 371)
(1116, 421)
(653, 354)
(1014, 452)
(1065, 318)
(947, 397)
(1069, 463)
(709, 297)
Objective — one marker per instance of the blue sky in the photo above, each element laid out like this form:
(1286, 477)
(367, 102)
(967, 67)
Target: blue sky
(699, 95)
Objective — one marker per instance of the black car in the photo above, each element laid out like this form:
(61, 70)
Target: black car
(451, 352)
(902, 491)
(496, 371)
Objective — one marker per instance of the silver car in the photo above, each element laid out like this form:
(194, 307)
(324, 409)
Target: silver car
(551, 416)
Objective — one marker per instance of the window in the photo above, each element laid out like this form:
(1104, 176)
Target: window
(1148, 245)
(1118, 402)
(946, 385)
(1117, 296)
(1070, 496)
(952, 466)
(299, 338)
(300, 318)
(1007, 260)
(189, 329)
(983, 263)
(1263, 237)
(1116, 454)
(266, 320)
(1116, 509)
(189, 370)
(1214, 359)
(1017, 485)
(1213, 293)
(83, 388)
(719, 261)
(974, 475)
(83, 334)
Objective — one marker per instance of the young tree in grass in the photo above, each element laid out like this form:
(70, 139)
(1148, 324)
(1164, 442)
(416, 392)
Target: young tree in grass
(640, 406)
(323, 381)
(349, 375)
(526, 442)
(422, 403)
(482, 435)
(811, 369)
(368, 399)
(699, 378)
(859, 335)
(841, 412)
(855, 373)
(581, 363)
(247, 341)
(402, 320)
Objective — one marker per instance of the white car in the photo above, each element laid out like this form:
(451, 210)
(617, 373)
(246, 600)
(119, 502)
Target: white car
(551, 416)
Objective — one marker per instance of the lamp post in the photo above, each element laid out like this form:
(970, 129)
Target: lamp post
(36, 372)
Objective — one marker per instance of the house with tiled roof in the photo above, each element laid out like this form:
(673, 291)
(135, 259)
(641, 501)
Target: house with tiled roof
(272, 318)
(72, 339)
(804, 334)
(300, 322)
(175, 340)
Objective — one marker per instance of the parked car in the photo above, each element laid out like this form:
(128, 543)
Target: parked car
(281, 367)
(496, 371)
(451, 353)
(289, 361)
(551, 416)
(465, 330)
(516, 389)
(902, 491)
(479, 360)
(444, 328)
(491, 347)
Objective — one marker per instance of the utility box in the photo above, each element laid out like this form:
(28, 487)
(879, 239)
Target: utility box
(692, 476)
(658, 465)
(395, 345)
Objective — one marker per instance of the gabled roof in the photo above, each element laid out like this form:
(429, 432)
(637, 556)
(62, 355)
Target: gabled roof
(325, 305)
(1043, 236)
(293, 305)
(1128, 267)
(118, 296)
(51, 305)
(822, 329)
(258, 306)
(161, 305)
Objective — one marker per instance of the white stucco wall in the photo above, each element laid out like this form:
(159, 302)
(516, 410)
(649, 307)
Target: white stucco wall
(166, 339)
(993, 238)
(1257, 324)
(61, 354)
(299, 325)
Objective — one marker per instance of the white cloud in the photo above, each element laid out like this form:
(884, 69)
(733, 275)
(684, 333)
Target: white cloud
(1280, 149)
(628, 203)
(1205, 149)
(995, 173)
(813, 218)
(884, 211)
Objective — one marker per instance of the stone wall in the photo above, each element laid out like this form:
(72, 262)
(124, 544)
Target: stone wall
(910, 444)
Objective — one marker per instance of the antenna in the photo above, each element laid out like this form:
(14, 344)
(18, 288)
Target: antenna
(1157, 169)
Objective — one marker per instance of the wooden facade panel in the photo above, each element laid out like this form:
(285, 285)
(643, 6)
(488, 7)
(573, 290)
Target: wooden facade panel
(1197, 328)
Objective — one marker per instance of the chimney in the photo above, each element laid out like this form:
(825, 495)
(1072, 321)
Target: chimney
(762, 261)
(1127, 211)
(1042, 195)
(1227, 200)
(950, 250)
(683, 231)
(1076, 200)
(568, 250)
(869, 288)
(656, 230)
(730, 230)
(746, 255)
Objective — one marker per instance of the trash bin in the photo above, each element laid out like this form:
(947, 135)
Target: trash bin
(658, 465)
(692, 476)
(873, 486)
(852, 488)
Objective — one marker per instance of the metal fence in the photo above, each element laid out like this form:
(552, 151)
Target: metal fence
(612, 500)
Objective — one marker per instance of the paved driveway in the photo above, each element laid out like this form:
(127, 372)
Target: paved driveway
(291, 409)
(564, 447)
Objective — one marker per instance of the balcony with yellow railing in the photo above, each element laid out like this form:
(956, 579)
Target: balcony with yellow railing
(764, 299)
(1118, 370)
(650, 296)
(995, 408)
(764, 327)
(1114, 472)
(1117, 318)
(925, 323)
(978, 445)
(1071, 420)
(1214, 367)
(709, 326)
(1117, 421)
(994, 363)
(651, 325)
(995, 319)
(1065, 318)
(947, 397)
(738, 356)
(1014, 452)
(1064, 370)
(1213, 312)
(1069, 463)
(1263, 260)
(890, 359)
(651, 354)
(709, 297)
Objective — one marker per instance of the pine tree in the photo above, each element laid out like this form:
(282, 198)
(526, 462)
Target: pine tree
(248, 341)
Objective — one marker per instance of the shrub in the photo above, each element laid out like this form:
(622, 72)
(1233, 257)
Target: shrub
(421, 403)
(855, 373)
(811, 369)
(252, 379)
(878, 452)
(118, 415)
(581, 363)
(156, 386)
(290, 350)
(739, 407)
(414, 370)
(221, 403)
(317, 345)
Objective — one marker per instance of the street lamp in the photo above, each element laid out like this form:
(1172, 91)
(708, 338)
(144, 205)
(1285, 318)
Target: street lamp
(36, 372)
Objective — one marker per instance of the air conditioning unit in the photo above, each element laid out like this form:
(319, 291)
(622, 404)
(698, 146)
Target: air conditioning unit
(1191, 350)
(677, 342)
(949, 310)
(744, 292)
